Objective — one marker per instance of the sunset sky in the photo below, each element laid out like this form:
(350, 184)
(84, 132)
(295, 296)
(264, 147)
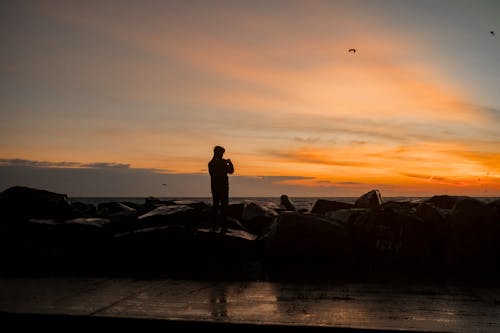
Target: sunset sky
(115, 98)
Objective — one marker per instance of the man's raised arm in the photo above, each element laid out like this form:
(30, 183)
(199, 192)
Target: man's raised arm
(229, 166)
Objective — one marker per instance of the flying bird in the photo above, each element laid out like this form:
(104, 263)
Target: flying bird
(352, 50)
(492, 33)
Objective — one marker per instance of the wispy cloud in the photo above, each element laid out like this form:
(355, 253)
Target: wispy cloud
(426, 177)
(46, 164)
(37, 164)
(104, 165)
(490, 160)
(316, 157)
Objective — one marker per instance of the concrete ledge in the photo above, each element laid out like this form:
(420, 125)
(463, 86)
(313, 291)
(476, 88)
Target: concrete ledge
(66, 322)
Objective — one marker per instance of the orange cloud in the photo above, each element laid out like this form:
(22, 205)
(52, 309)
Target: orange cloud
(307, 74)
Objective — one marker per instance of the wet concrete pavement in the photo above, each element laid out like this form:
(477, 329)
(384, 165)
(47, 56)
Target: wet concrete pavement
(340, 305)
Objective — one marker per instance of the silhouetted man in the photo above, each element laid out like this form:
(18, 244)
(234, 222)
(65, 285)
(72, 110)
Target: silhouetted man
(218, 169)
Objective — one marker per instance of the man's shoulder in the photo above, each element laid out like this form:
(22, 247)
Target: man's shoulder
(212, 165)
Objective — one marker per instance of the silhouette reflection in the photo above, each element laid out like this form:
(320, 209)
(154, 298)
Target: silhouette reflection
(218, 301)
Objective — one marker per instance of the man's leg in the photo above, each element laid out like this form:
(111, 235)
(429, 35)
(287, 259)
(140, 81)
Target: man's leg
(223, 208)
(215, 210)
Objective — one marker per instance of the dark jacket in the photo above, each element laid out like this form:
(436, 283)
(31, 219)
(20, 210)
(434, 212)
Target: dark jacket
(218, 169)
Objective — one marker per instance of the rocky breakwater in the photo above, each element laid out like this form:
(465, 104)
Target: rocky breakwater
(443, 233)
(44, 233)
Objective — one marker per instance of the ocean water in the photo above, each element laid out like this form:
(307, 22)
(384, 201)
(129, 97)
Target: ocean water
(300, 202)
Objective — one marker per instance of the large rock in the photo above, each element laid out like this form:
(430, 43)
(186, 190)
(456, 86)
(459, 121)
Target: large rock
(123, 217)
(174, 247)
(287, 203)
(234, 224)
(372, 199)
(197, 205)
(91, 222)
(437, 218)
(235, 210)
(495, 205)
(233, 246)
(322, 206)
(155, 202)
(83, 209)
(403, 207)
(438, 222)
(386, 238)
(22, 203)
(47, 246)
(348, 216)
(472, 212)
(153, 249)
(444, 201)
(252, 210)
(475, 238)
(307, 238)
(167, 215)
(257, 218)
(108, 209)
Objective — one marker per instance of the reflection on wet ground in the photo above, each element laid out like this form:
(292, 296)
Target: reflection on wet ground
(218, 301)
(357, 305)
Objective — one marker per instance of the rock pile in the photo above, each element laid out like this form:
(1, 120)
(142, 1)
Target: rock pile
(43, 232)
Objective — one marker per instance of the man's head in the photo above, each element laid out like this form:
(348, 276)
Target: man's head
(219, 151)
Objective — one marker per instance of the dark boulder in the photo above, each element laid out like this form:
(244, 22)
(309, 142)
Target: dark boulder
(388, 239)
(257, 218)
(151, 203)
(173, 247)
(123, 217)
(372, 199)
(475, 237)
(198, 205)
(235, 210)
(169, 215)
(322, 206)
(438, 219)
(495, 205)
(287, 203)
(438, 222)
(22, 203)
(403, 207)
(89, 228)
(153, 249)
(444, 201)
(47, 246)
(233, 246)
(84, 210)
(234, 224)
(231, 223)
(139, 207)
(108, 209)
(469, 211)
(347, 216)
(307, 238)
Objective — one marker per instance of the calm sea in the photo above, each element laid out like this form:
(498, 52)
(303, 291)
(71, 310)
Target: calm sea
(300, 202)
